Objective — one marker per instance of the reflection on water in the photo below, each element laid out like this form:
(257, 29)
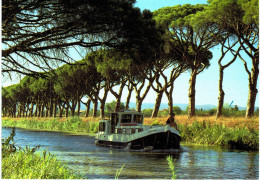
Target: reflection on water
(192, 162)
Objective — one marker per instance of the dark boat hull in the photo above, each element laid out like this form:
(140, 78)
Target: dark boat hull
(163, 140)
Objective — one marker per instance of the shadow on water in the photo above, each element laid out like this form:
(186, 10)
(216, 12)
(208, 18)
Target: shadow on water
(191, 162)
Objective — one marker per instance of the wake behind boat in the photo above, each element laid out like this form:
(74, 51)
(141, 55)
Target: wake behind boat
(126, 130)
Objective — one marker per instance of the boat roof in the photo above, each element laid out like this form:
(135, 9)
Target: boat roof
(128, 112)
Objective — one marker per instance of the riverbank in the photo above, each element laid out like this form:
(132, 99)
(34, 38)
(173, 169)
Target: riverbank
(73, 125)
(28, 163)
(237, 133)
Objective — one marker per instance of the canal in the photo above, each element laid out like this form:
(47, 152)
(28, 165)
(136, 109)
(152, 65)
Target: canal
(192, 162)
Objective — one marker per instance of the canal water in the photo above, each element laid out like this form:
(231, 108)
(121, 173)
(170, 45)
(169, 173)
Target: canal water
(192, 162)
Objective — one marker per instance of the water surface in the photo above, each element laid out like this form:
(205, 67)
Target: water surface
(192, 162)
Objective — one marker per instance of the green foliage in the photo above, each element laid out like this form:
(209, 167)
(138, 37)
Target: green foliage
(22, 165)
(72, 124)
(233, 112)
(204, 133)
(156, 122)
(28, 164)
(163, 113)
(7, 146)
(201, 112)
(177, 22)
(110, 107)
(226, 111)
(147, 112)
(118, 172)
(177, 110)
(171, 166)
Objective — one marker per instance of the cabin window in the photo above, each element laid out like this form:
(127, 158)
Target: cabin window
(114, 119)
(126, 118)
(102, 126)
(138, 119)
(140, 130)
(119, 131)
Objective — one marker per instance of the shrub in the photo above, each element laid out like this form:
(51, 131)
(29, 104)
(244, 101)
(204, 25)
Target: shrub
(147, 112)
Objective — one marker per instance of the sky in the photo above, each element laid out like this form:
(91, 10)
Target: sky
(235, 82)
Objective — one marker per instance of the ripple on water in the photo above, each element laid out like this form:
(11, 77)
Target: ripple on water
(191, 162)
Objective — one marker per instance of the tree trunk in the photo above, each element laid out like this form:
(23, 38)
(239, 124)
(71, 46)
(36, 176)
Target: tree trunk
(51, 106)
(60, 110)
(192, 90)
(27, 110)
(73, 107)
(67, 111)
(95, 105)
(47, 109)
(14, 111)
(102, 103)
(170, 99)
(87, 107)
(130, 90)
(138, 105)
(118, 97)
(42, 110)
(78, 105)
(55, 109)
(67, 108)
(252, 89)
(157, 104)
(19, 111)
(102, 110)
(221, 92)
(36, 109)
(24, 110)
(31, 110)
(139, 100)
(39, 110)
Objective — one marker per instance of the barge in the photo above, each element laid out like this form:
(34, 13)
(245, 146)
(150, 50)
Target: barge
(126, 130)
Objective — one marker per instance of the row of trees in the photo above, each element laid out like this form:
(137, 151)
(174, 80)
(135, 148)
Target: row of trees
(65, 87)
(187, 34)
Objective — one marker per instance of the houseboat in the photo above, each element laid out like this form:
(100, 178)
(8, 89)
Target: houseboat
(126, 130)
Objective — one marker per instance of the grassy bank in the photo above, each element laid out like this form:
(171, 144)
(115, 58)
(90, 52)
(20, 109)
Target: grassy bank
(28, 164)
(233, 132)
(72, 125)
(205, 133)
(237, 132)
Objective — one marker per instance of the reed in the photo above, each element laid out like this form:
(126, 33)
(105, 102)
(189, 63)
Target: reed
(216, 134)
(28, 164)
(171, 166)
(118, 172)
(252, 123)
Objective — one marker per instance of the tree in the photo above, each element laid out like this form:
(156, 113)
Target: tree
(164, 83)
(109, 67)
(39, 34)
(138, 76)
(110, 107)
(130, 89)
(189, 40)
(241, 19)
(226, 47)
